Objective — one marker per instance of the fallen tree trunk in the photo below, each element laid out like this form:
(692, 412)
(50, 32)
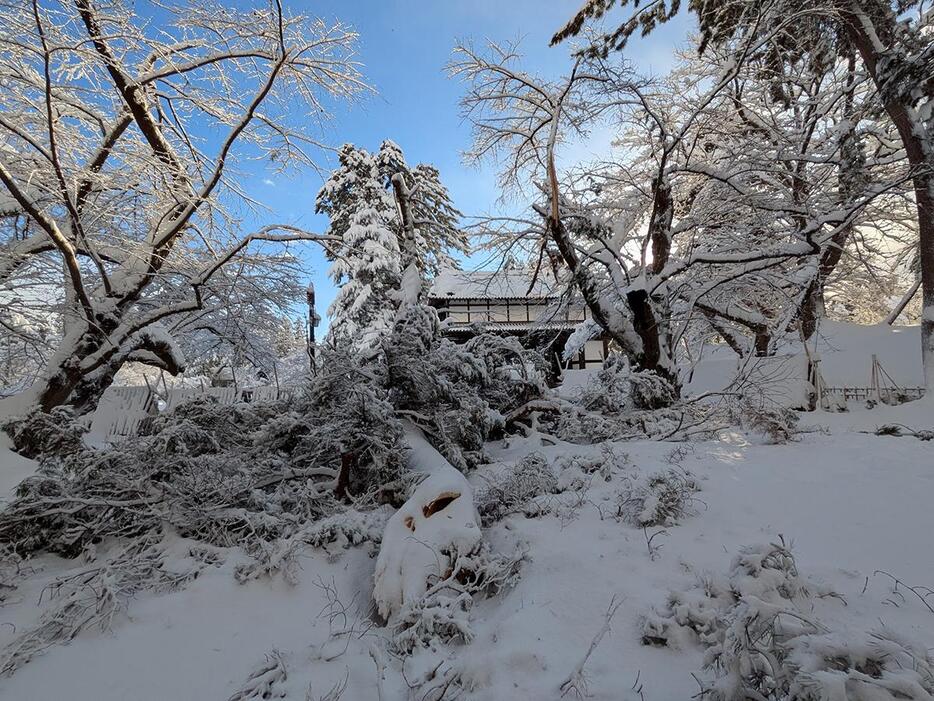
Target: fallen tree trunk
(438, 519)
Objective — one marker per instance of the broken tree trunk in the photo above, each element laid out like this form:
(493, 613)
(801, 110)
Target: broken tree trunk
(439, 518)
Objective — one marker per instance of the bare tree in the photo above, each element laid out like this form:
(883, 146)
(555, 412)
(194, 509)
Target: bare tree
(893, 41)
(119, 141)
(682, 218)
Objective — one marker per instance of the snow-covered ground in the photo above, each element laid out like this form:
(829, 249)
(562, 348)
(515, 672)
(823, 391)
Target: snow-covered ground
(845, 352)
(854, 507)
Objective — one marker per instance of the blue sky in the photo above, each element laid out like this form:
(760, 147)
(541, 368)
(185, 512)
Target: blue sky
(404, 46)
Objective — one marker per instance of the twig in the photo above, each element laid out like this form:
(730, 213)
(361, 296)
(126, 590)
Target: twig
(914, 590)
(576, 681)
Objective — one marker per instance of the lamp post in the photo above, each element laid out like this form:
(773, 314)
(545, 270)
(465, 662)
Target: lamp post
(313, 321)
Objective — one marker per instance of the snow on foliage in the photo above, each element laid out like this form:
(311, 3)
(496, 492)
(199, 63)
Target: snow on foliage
(761, 640)
(370, 260)
(458, 394)
(226, 475)
(38, 434)
(659, 499)
(512, 489)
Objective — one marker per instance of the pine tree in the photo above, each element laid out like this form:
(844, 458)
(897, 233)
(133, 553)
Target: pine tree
(360, 201)
(369, 276)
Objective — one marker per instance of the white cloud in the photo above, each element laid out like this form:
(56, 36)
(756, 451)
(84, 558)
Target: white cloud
(267, 181)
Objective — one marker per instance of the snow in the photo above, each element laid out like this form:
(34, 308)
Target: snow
(483, 284)
(418, 535)
(851, 504)
(845, 352)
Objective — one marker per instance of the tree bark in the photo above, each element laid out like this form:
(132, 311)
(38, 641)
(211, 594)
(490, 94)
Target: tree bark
(812, 304)
(653, 353)
(411, 276)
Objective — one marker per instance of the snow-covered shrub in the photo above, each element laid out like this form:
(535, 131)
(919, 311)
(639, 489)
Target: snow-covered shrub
(265, 681)
(533, 485)
(767, 573)
(576, 473)
(880, 664)
(659, 499)
(610, 390)
(442, 614)
(617, 388)
(761, 644)
(347, 528)
(651, 391)
(510, 490)
(577, 424)
(38, 433)
(776, 425)
(606, 463)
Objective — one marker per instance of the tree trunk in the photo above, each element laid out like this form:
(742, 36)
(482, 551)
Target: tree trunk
(812, 304)
(343, 477)
(411, 283)
(762, 344)
(811, 309)
(68, 379)
(902, 303)
(919, 147)
(63, 374)
(924, 193)
(654, 355)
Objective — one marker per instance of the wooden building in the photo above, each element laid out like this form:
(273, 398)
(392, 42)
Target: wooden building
(502, 302)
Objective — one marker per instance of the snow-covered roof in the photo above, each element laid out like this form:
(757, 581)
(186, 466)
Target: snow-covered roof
(484, 284)
(463, 327)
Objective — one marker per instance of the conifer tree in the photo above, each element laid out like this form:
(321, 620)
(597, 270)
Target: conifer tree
(361, 202)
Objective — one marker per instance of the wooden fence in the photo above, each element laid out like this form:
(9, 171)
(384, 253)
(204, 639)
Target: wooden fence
(122, 410)
(888, 395)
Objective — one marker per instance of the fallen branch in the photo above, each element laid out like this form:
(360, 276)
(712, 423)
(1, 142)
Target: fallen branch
(900, 430)
(530, 407)
(917, 590)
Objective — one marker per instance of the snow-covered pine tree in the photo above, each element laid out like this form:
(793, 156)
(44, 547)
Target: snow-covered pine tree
(360, 201)
(368, 275)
